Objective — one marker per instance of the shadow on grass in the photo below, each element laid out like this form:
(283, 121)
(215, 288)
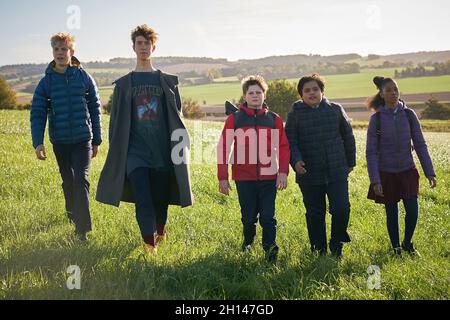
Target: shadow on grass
(122, 272)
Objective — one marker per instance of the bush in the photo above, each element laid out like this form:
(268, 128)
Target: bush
(107, 107)
(280, 97)
(24, 106)
(191, 109)
(435, 110)
(7, 95)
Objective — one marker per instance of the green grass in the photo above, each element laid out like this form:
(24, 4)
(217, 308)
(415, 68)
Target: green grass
(105, 93)
(360, 84)
(353, 85)
(201, 259)
(212, 93)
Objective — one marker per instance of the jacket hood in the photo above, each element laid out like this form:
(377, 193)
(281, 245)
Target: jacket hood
(74, 62)
(401, 106)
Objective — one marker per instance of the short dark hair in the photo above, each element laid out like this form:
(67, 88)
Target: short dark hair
(314, 77)
(145, 31)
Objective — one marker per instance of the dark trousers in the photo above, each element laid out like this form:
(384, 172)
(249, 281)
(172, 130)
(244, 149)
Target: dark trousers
(411, 217)
(257, 201)
(314, 198)
(74, 161)
(150, 189)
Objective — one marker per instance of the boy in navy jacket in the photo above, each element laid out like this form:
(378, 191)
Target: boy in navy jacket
(323, 153)
(67, 95)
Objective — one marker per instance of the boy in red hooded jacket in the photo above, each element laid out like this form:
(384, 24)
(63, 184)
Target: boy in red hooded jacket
(259, 140)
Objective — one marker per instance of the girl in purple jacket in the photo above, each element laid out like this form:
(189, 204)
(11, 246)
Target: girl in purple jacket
(392, 172)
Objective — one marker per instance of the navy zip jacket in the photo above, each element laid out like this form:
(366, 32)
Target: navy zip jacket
(71, 103)
(323, 139)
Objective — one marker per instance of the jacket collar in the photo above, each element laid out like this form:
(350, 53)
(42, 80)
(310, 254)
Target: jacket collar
(74, 65)
(401, 106)
(252, 112)
(300, 104)
(169, 79)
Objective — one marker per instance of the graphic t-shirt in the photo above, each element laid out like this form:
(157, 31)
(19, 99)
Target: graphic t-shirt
(149, 144)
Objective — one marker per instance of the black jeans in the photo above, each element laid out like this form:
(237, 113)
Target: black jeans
(150, 189)
(74, 161)
(315, 204)
(257, 200)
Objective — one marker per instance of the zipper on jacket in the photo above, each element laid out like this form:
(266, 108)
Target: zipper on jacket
(70, 108)
(257, 146)
(397, 145)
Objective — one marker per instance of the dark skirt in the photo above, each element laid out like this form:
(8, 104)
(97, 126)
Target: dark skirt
(396, 186)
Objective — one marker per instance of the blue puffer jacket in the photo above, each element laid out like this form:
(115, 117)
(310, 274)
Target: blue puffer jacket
(74, 108)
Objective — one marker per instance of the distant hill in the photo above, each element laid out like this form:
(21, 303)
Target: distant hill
(299, 59)
(410, 59)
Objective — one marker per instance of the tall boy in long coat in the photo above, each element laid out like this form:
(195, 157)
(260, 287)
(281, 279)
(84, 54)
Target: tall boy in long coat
(147, 161)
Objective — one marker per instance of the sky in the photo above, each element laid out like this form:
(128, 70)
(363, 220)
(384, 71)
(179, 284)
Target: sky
(231, 29)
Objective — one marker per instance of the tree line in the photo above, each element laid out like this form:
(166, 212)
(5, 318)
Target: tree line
(438, 69)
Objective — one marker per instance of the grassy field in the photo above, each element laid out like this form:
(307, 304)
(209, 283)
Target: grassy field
(105, 93)
(361, 85)
(337, 86)
(201, 259)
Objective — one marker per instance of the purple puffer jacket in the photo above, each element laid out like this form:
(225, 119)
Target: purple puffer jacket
(395, 144)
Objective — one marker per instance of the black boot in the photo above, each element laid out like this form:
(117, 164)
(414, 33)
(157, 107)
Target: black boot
(410, 249)
(319, 251)
(272, 254)
(246, 247)
(398, 252)
(336, 249)
(81, 236)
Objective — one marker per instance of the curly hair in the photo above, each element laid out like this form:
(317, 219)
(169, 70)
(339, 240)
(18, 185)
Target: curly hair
(145, 31)
(252, 80)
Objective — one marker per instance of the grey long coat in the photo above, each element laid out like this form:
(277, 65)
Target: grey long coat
(113, 185)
